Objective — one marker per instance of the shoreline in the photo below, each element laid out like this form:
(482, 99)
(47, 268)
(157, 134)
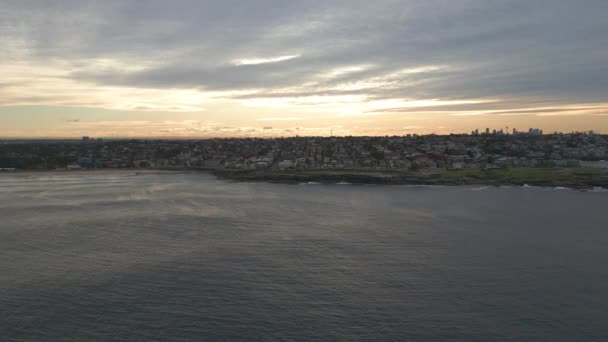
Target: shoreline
(101, 172)
(576, 178)
(572, 178)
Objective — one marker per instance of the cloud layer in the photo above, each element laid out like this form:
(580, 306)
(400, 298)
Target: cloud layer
(287, 59)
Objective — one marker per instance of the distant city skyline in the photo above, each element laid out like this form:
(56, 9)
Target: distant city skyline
(477, 131)
(269, 68)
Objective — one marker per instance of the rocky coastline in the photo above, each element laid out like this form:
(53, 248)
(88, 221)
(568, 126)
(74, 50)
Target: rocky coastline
(576, 178)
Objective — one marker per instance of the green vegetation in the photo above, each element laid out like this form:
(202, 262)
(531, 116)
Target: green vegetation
(567, 177)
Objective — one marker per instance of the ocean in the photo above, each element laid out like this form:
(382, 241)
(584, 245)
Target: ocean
(187, 257)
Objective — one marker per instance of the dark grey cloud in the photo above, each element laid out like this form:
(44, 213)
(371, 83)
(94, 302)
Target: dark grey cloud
(541, 50)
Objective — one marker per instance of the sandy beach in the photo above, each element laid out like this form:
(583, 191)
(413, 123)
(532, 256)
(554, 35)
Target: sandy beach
(97, 172)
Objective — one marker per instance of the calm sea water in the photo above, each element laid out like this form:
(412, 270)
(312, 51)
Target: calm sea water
(191, 258)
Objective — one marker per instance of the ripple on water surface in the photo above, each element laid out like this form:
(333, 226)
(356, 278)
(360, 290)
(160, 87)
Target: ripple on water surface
(189, 257)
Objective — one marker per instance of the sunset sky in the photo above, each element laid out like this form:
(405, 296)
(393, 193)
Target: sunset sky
(278, 68)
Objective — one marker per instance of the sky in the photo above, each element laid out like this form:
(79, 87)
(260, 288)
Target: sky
(267, 68)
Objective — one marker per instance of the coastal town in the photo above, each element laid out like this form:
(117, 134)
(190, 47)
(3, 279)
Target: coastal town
(485, 149)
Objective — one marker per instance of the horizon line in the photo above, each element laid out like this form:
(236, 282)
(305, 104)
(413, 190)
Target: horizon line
(79, 138)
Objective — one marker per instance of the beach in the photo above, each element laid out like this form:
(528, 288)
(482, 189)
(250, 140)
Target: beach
(95, 172)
